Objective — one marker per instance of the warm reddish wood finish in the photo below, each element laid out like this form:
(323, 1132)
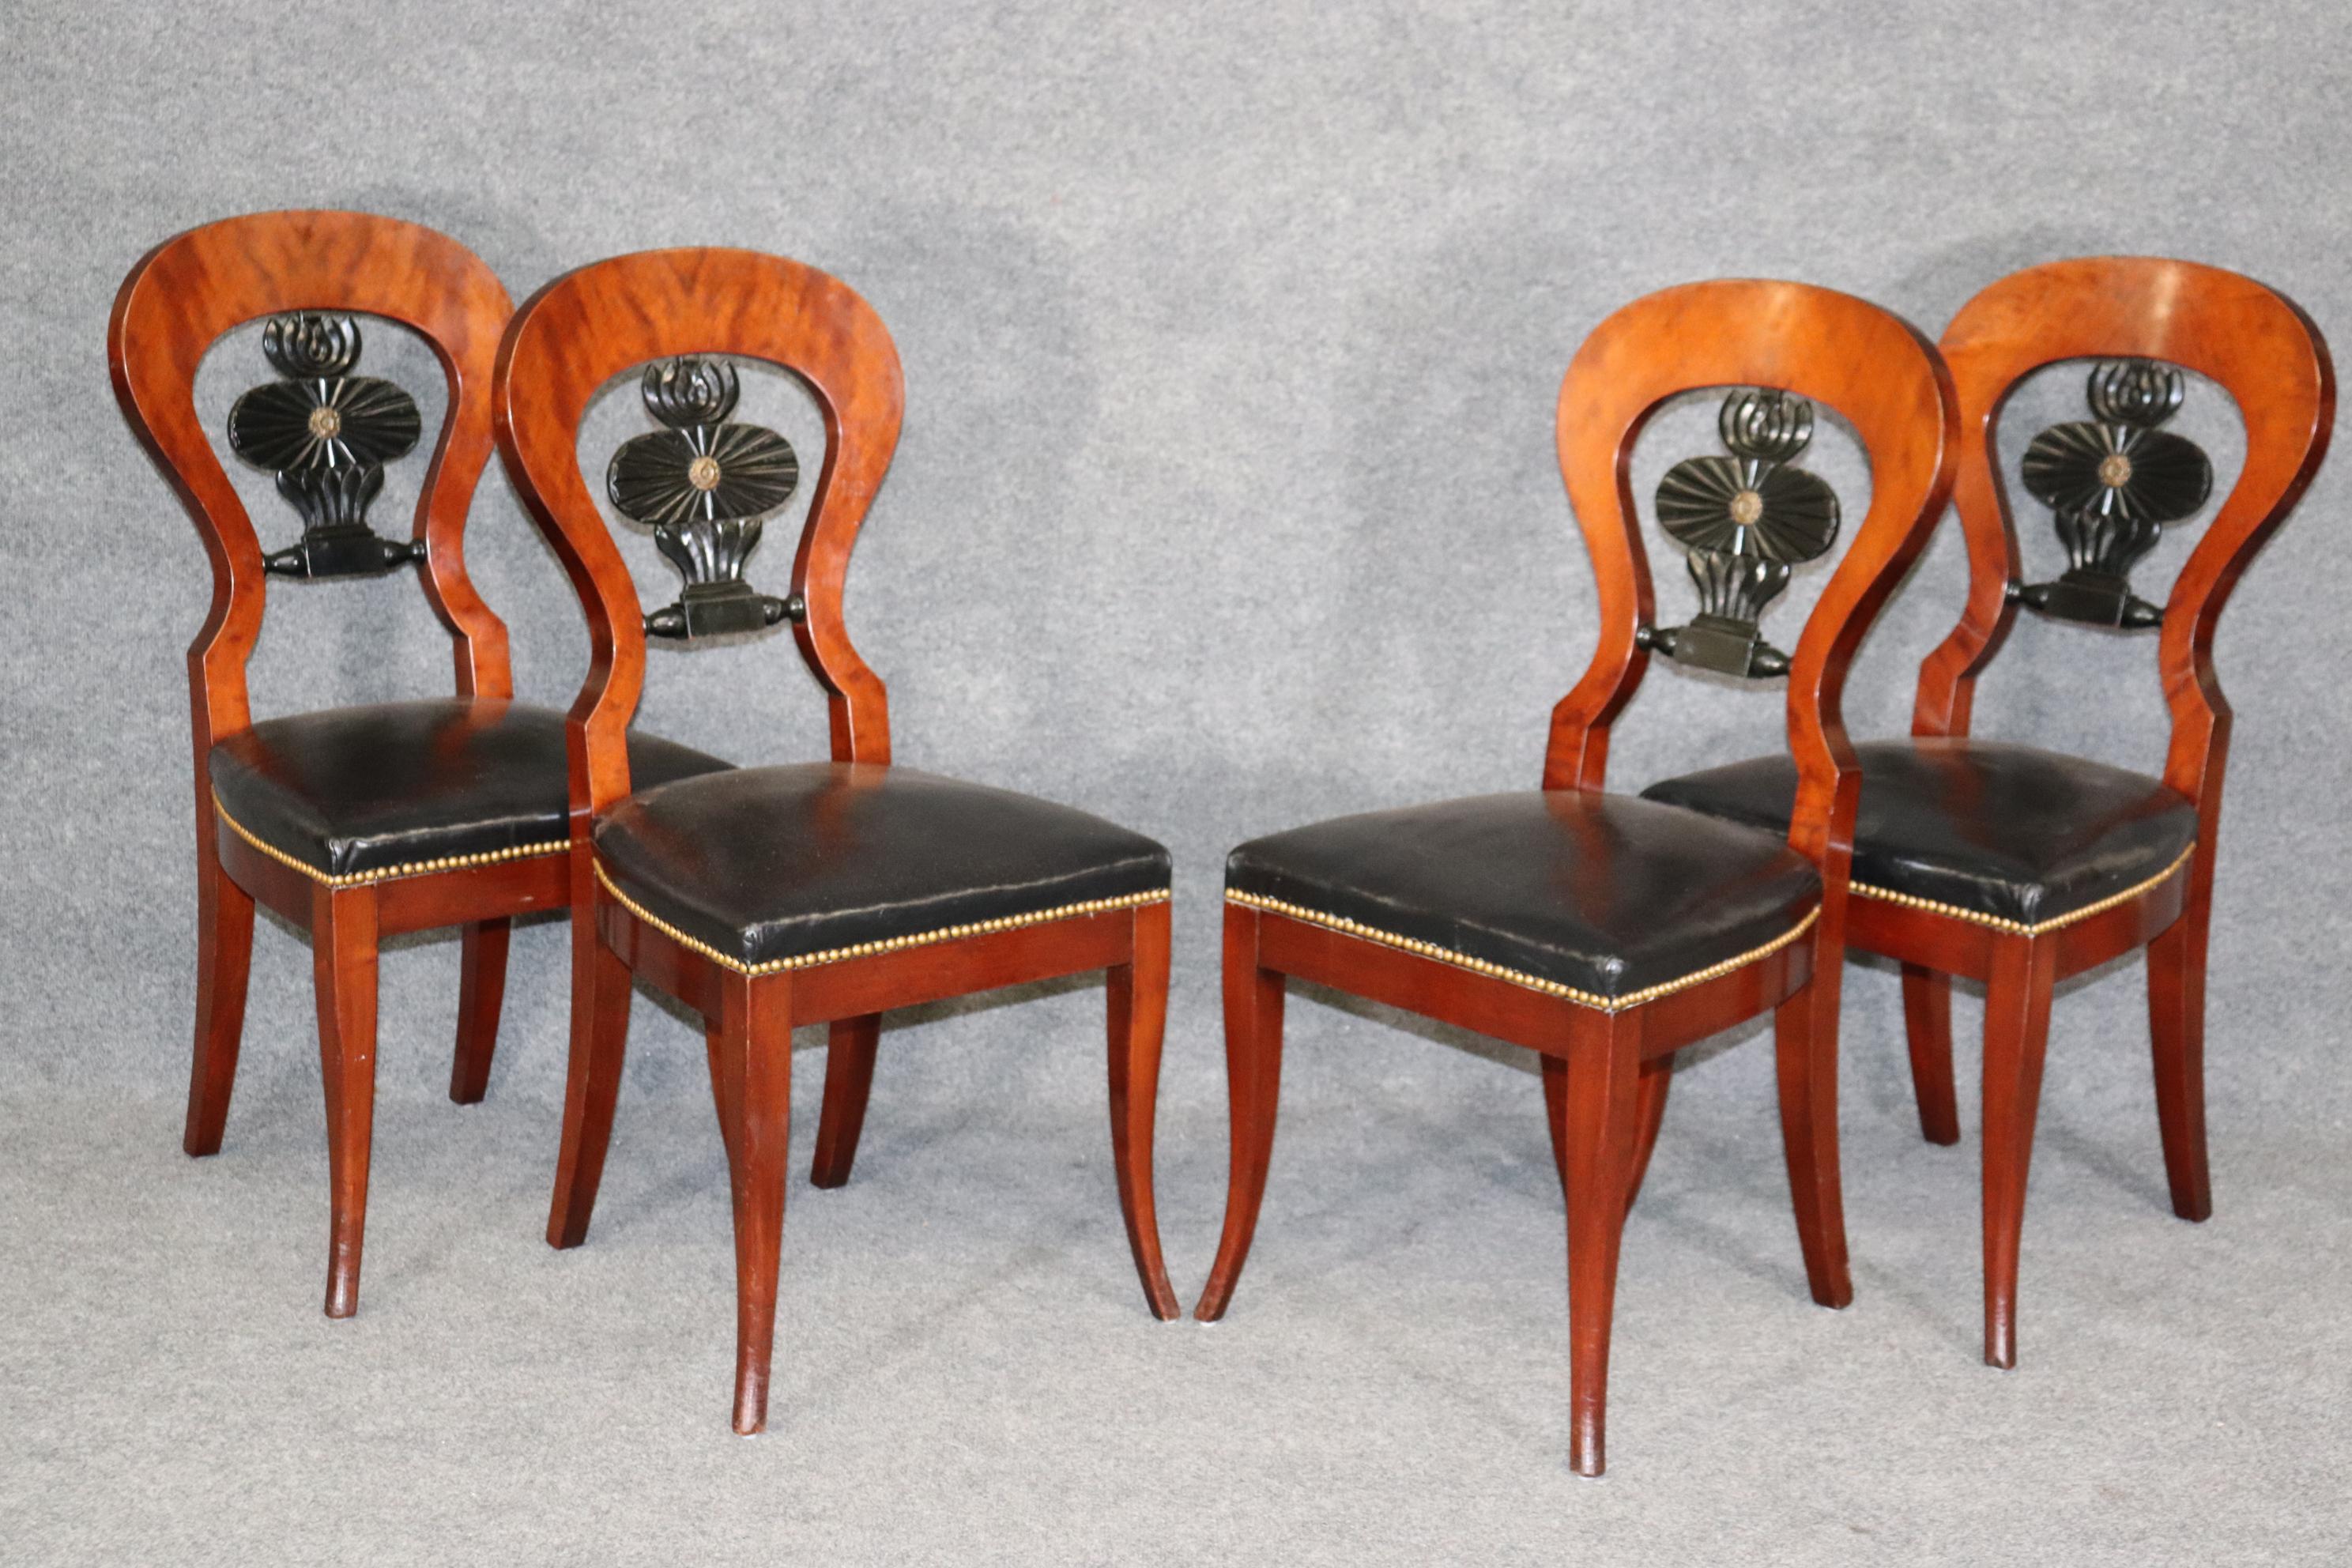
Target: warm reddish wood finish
(176, 303)
(2266, 352)
(1605, 1072)
(566, 344)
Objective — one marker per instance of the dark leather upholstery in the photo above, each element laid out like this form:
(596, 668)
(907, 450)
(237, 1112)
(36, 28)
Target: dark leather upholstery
(352, 790)
(773, 863)
(1605, 894)
(1999, 830)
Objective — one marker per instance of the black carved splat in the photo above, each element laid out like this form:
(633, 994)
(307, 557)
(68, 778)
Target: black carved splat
(1745, 520)
(2112, 483)
(326, 434)
(703, 485)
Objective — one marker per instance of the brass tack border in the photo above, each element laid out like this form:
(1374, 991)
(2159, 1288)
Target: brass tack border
(1519, 977)
(2019, 928)
(870, 948)
(387, 873)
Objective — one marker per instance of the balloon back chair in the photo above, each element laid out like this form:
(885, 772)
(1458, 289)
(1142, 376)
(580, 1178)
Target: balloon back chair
(357, 822)
(2018, 866)
(817, 892)
(1605, 931)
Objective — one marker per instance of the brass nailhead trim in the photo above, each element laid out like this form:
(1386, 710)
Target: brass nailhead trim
(386, 874)
(869, 949)
(1519, 977)
(2019, 928)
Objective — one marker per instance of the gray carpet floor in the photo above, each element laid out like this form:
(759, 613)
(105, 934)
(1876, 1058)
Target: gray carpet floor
(966, 1373)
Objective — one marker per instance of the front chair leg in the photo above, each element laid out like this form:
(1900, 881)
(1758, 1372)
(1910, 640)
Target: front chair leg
(1253, 999)
(343, 965)
(600, 998)
(1928, 1020)
(2176, 1018)
(2016, 1034)
(224, 959)
(1138, 1016)
(481, 987)
(848, 1079)
(1649, 1115)
(1805, 1045)
(753, 1042)
(1594, 1109)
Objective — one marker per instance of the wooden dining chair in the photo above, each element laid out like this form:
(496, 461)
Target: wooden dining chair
(1604, 931)
(818, 892)
(358, 823)
(2018, 866)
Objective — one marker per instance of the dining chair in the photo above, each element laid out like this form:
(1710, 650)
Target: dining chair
(1605, 931)
(358, 823)
(805, 892)
(2019, 867)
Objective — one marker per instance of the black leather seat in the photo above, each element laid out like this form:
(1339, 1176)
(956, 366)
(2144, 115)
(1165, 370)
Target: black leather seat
(1605, 895)
(357, 790)
(2009, 833)
(768, 864)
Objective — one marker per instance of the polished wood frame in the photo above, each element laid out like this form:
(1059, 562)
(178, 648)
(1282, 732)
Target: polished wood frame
(2263, 349)
(567, 342)
(1605, 1072)
(176, 302)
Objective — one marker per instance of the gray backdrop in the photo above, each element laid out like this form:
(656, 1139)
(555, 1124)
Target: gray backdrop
(1226, 500)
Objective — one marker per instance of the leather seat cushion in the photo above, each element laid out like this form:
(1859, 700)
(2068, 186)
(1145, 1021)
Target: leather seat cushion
(778, 863)
(353, 790)
(1606, 895)
(2006, 832)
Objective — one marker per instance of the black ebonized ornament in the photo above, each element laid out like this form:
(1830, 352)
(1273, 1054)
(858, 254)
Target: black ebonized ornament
(1746, 520)
(326, 434)
(2112, 483)
(703, 485)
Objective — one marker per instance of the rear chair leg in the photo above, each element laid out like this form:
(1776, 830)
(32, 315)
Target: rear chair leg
(224, 959)
(1928, 1020)
(600, 998)
(481, 987)
(2176, 1018)
(1594, 1114)
(848, 1080)
(1805, 1044)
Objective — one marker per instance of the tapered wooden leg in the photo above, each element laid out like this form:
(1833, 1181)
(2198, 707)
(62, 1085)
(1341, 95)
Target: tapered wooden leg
(600, 998)
(1595, 1110)
(848, 1079)
(2176, 1019)
(482, 986)
(1649, 1115)
(1805, 1042)
(714, 1047)
(344, 962)
(1253, 999)
(2017, 1033)
(1928, 1019)
(1139, 1016)
(1555, 1093)
(224, 958)
(755, 1061)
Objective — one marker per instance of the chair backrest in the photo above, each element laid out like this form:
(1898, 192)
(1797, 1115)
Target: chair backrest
(1745, 518)
(324, 431)
(2112, 482)
(704, 481)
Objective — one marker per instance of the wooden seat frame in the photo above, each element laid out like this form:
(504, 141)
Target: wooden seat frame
(2262, 348)
(1605, 1065)
(180, 299)
(567, 342)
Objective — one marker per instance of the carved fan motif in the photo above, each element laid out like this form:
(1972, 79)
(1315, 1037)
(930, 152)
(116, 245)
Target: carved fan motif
(703, 485)
(326, 434)
(2112, 483)
(1746, 519)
